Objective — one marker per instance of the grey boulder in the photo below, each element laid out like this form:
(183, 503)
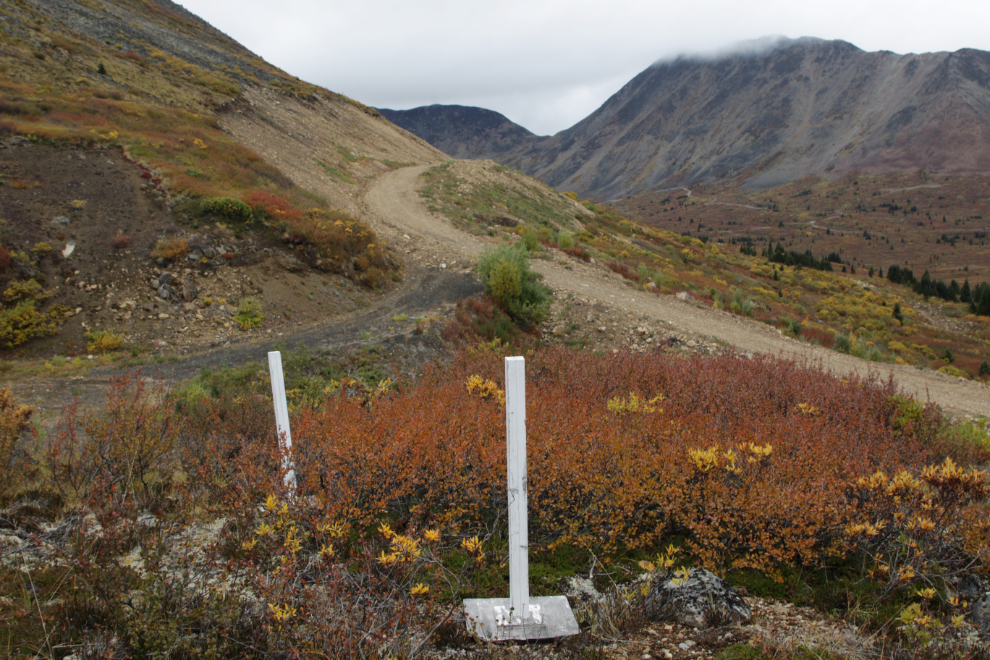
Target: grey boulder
(981, 613)
(701, 600)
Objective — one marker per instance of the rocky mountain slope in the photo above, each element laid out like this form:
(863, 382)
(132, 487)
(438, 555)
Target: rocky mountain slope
(461, 131)
(122, 124)
(805, 106)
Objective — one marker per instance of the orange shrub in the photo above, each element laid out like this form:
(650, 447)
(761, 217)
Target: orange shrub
(170, 248)
(229, 450)
(272, 206)
(610, 482)
(756, 463)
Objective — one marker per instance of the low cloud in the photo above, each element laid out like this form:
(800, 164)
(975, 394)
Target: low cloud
(548, 63)
(748, 47)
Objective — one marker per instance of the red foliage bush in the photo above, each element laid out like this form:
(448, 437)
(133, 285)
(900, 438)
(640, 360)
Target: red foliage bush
(824, 337)
(482, 319)
(578, 253)
(121, 242)
(230, 450)
(109, 456)
(274, 207)
(624, 270)
(4, 258)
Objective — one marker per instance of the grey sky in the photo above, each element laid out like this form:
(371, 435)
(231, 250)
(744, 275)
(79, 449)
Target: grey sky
(546, 64)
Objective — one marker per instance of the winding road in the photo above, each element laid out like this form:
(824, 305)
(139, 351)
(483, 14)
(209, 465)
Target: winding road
(394, 202)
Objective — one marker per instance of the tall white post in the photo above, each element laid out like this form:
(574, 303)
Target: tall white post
(518, 616)
(515, 425)
(282, 418)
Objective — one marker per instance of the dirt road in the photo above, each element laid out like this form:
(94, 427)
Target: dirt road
(394, 203)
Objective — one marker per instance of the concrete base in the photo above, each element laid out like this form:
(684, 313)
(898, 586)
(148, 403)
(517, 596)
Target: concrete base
(550, 617)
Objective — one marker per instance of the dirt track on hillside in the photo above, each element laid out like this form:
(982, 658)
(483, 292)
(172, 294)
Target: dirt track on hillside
(394, 205)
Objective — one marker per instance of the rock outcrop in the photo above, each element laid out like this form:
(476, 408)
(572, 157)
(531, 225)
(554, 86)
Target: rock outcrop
(699, 599)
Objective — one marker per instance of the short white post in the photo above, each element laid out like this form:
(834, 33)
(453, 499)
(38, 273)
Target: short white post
(515, 425)
(282, 418)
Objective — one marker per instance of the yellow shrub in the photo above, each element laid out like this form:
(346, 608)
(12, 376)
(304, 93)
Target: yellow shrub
(949, 370)
(103, 342)
(634, 404)
(30, 291)
(486, 389)
(23, 322)
(14, 418)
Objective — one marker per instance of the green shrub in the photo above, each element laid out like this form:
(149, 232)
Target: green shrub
(565, 240)
(970, 432)
(228, 208)
(530, 239)
(29, 291)
(842, 344)
(505, 282)
(249, 314)
(504, 270)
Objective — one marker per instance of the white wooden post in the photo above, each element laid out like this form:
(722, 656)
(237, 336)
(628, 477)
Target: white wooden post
(282, 418)
(515, 426)
(518, 616)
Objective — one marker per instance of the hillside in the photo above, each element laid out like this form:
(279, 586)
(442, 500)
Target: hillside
(803, 107)
(462, 132)
(141, 185)
(261, 211)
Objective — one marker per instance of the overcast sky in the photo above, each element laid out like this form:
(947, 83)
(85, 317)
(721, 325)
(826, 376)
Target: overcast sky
(546, 64)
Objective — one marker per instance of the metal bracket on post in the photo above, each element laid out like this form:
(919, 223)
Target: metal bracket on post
(282, 419)
(518, 616)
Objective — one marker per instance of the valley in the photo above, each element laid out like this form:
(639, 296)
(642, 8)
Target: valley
(921, 221)
(719, 377)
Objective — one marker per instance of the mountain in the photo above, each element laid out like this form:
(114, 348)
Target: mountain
(462, 131)
(803, 106)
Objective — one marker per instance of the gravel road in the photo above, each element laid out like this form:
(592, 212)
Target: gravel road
(394, 203)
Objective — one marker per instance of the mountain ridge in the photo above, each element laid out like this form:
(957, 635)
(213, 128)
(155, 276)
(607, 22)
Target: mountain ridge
(477, 133)
(805, 106)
